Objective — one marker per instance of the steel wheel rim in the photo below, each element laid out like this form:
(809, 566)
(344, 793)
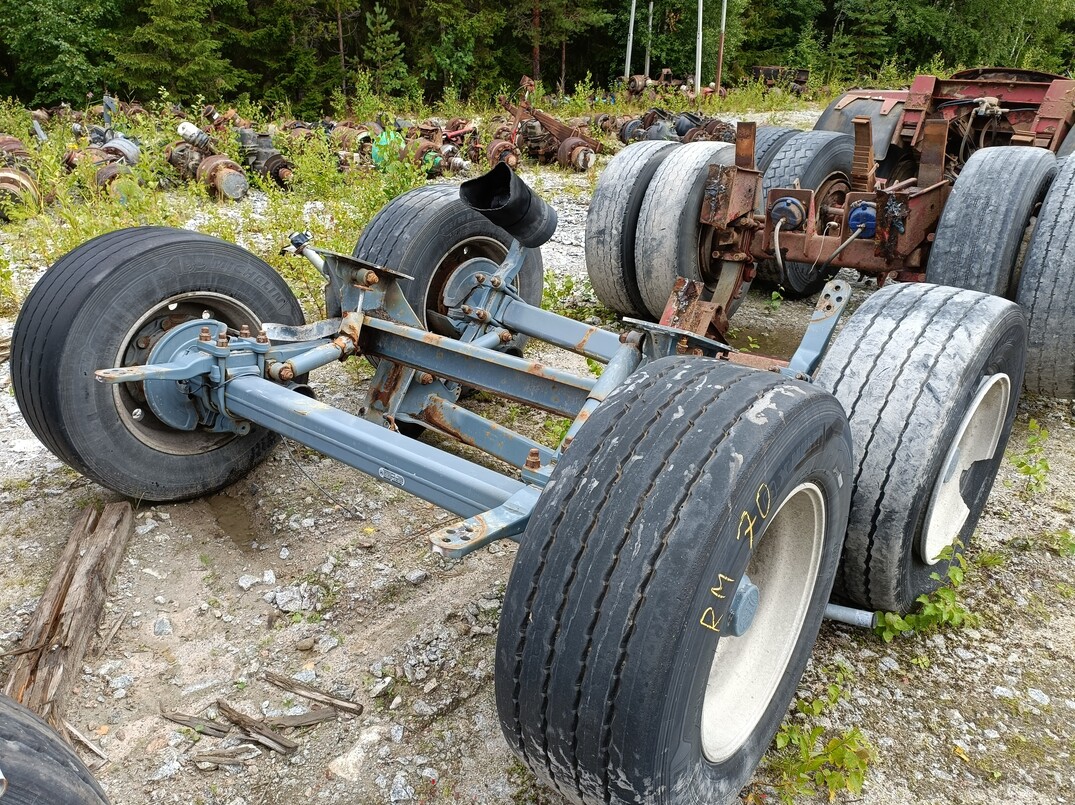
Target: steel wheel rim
(976, 440)
(129, 398)
(831, 192)
(746, 671)
(478, 246)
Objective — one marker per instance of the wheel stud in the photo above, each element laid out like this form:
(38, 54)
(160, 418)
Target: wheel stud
(744, 607)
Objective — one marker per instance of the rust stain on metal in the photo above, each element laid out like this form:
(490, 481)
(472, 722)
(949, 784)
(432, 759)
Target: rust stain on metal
(580, 346)
(383, 394)
(434, 415)
(756, 361)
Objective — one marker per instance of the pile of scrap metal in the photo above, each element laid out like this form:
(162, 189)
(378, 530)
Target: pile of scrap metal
(18, 184)
(794, 80)
(684, 127)
(435, 146)
(198, 157)
(642, 86)
(544, 137)
(109, 152)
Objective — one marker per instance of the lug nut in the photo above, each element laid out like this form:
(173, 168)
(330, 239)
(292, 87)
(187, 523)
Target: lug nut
(533, 459)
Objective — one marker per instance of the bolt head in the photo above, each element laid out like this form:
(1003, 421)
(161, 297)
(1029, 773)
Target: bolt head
(138, 414)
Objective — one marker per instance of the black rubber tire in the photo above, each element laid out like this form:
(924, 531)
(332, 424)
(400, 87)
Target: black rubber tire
(1047, 291)
(809, 157)
(668, 237)
(907, 367)
(611, 223)
(1067, 147)
(39, 766)
(986, 217)
(767, 143)
(427, 232)
(604, 648)
(77, 319)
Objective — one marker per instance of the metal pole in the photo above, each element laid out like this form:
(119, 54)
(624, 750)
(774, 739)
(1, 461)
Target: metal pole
(720, 49)
(698, 57)
(630, 41)
(649, 36)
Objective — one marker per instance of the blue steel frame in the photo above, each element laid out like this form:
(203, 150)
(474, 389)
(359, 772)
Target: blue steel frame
(200, 377)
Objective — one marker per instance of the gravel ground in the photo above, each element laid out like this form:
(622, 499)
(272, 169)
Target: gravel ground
(312, 570)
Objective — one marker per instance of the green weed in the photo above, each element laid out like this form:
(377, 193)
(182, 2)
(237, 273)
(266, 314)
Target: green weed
(943, 607)
(773, 303)
(575, 299)
(808, 760)
(1061, 542)
(1031, 462)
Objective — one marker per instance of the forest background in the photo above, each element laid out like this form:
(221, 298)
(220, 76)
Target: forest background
(313, 55)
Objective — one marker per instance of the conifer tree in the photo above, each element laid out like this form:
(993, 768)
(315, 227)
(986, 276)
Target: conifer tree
(174, 49)
(383, 53)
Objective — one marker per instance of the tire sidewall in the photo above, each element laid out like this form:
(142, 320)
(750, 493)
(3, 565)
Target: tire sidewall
(415, 242)
(98, 329)
(1003, 352)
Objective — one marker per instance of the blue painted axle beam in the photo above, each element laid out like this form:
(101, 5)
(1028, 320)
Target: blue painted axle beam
(446, 480)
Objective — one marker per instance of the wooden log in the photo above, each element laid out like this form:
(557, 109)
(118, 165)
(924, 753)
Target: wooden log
(256, 730)
(68, 612)
(310, 692)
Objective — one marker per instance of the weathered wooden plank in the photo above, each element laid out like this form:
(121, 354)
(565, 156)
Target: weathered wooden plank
(69, 612)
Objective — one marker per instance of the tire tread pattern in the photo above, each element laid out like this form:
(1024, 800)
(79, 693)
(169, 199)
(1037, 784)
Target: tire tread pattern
(894, 367)
(1047, 291)
(612, 221)
(984, 220)
(596, 590)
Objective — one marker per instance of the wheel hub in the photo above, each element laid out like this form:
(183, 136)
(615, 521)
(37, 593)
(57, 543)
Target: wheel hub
(976, 440)
(747, 670)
